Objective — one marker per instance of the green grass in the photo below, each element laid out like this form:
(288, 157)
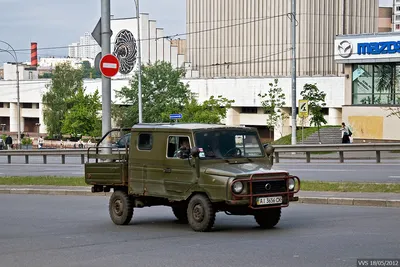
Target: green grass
(287, 140)
(305, 185)
(44, 180)
(350, 187)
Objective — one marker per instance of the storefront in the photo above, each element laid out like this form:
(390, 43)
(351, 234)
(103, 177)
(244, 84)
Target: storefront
(372, 86)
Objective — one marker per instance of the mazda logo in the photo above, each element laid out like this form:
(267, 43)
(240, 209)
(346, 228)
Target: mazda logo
(345, 49)
(268, 187)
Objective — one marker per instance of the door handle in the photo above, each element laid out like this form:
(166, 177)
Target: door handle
(167, 170)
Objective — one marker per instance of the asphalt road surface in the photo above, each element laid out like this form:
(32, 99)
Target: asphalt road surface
(63, 231)
(323, 170)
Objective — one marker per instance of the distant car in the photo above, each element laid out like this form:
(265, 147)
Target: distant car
(126, 139)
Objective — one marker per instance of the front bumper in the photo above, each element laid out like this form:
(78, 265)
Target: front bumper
(249, 196)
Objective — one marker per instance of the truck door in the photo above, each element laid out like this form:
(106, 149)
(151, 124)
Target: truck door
(179, 176)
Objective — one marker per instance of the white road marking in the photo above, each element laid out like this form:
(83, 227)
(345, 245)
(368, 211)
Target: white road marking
(395, 177)
(110, 65)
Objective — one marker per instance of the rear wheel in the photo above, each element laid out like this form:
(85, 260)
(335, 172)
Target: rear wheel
(121, 208)
(268, 218)
(200, 213)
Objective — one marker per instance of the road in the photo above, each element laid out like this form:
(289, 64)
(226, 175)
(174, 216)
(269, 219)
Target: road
(324, 170)
(77, 231)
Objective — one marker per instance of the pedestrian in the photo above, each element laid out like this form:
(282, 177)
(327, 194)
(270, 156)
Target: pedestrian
(40, 142)
(346, 133)
(9, 142)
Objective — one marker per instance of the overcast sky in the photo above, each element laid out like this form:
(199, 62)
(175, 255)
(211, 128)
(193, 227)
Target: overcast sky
(61, 22)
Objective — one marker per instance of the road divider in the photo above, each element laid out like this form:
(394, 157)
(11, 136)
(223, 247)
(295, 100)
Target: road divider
(340, 149)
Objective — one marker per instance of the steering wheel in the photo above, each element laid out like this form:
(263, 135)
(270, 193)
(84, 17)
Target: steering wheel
(237, 153)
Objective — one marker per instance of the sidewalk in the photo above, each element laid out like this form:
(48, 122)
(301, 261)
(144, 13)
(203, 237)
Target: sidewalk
(306, 197)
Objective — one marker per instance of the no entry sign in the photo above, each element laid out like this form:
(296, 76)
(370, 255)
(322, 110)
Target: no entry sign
(109, 65)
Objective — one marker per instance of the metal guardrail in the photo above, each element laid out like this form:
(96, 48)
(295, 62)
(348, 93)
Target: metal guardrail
(307, 149)
(341, 148)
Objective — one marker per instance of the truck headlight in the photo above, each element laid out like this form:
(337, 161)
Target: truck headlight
(237, 187)
(291, 184)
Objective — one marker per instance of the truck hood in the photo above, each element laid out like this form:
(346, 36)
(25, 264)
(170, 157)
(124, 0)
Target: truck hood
(240, 169)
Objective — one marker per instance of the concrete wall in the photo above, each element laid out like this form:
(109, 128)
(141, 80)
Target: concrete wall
(372, 123)
(252, 38)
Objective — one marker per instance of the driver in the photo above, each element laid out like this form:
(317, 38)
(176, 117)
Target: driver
(184, 149)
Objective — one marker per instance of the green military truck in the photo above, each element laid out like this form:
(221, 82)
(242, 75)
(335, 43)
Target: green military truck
(196, 169)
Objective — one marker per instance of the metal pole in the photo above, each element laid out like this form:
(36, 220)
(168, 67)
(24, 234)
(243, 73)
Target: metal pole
(106, 82)
(294, 124)
(18, 100)
(139, 63)
(19, 110)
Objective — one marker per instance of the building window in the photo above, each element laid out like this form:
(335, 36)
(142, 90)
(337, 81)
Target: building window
(376, 84)
(397, 8)
(397, 26)
(145, 142)
(1, 105)
(397, 18)
(252, 110)
(26, 105)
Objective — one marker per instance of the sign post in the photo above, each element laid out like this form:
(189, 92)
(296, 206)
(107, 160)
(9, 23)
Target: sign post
(303, 113)
(175, 117)
(109, 65)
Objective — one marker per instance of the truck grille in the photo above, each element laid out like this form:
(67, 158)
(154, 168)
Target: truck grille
(259, 187)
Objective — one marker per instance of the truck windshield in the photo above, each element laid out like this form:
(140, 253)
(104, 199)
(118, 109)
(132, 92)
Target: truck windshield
(222, 144)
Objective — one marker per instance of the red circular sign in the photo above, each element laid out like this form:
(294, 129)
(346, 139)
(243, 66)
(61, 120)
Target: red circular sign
(109, 65)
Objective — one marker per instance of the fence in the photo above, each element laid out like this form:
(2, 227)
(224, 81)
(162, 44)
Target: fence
(279, 149)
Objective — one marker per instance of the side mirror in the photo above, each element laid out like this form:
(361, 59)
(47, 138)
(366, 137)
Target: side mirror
(269, 150)
(195, 152)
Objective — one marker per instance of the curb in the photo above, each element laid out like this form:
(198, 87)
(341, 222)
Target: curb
(366, 202)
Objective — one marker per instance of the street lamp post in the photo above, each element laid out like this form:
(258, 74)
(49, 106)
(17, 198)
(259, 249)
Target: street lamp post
(139, 63)
(38, 129)
(18, 104)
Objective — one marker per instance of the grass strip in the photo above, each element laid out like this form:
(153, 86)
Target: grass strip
(305, 185)
(350, 187)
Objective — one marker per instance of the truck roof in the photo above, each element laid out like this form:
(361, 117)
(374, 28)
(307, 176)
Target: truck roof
(183, 126)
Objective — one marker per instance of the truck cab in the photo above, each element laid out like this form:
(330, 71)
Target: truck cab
(197, 170)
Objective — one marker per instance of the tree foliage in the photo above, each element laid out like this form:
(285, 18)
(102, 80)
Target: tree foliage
(83, 117)
(66, 107)
(316, 100)
(163, 93)
(66, 81)
(273, 105)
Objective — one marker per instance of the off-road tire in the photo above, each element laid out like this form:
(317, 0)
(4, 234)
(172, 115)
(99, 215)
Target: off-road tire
(268, 218)
(180, 212)
(120, 208)
(200, 213)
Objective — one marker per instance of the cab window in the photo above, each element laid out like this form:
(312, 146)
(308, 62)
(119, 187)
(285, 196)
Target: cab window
(177, 145)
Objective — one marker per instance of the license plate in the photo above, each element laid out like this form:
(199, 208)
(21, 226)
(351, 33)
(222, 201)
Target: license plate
(269, 200)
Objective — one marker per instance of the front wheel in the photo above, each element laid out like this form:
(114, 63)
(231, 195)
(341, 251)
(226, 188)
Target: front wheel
(201, 213)
(121, 208)
(268, 218)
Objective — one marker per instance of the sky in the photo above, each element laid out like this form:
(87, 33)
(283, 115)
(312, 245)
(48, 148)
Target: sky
(53, 23)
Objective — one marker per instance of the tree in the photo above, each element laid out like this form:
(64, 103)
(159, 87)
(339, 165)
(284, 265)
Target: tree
(163, 93)
(210, 111)
(83, 118)
(316, 100)
(273, 106)
(65, 83)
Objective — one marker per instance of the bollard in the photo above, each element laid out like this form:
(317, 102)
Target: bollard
(83, 159)
(44, 159)
(62, 159)
(277, 157)
(26, 159)
(341, 155)
(378, 157)
(9, 159)
(308, 156)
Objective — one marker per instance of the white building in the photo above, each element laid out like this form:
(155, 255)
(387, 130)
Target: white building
(396, 15)
(85, 48)
(50, 62)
